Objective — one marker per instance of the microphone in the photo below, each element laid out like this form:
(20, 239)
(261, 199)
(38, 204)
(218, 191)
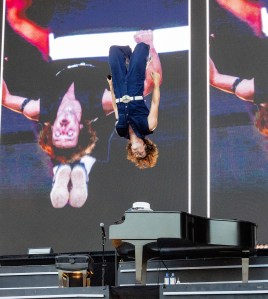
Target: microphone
(103, 257)
(103, 229)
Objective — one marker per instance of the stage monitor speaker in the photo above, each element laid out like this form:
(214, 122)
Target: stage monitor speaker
(74, 270)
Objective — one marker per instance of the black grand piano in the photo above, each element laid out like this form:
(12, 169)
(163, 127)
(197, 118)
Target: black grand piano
(149, 234)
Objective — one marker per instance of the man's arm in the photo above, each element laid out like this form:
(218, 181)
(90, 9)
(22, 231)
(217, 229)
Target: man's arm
(12, 102)
(244, 90)
(153, 115)
(153, 66)
(110, 82)
(107, 102)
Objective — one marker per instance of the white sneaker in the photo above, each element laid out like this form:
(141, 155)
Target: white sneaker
(79, 191)
(60, 194)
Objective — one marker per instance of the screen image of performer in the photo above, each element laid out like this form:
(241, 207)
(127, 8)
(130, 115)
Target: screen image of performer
(66, 136)
(134, 75)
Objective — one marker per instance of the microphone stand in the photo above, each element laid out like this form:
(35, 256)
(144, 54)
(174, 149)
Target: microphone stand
(103, 260)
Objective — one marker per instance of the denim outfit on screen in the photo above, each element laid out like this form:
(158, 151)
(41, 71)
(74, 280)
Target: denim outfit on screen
(129, 80)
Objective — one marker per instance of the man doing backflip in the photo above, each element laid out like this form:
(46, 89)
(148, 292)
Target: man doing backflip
(134, 75)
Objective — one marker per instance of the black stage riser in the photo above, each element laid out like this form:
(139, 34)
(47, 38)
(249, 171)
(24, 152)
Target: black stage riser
(193, 291)
(86, 292)
(196, 270)
(188, 271)
(215, 291)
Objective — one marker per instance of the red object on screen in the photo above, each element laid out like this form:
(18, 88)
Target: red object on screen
(245, 10)
(30, 31)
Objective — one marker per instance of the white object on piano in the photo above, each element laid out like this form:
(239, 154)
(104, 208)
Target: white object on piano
(141, 206)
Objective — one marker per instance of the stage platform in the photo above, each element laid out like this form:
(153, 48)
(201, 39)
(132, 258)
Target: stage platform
(204, 291)
(37, 277)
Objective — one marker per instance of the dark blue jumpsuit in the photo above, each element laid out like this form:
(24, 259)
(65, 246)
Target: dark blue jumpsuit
(130, 81)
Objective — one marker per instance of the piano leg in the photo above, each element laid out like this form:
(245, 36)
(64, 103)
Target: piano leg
(245, 266)
(140, 263)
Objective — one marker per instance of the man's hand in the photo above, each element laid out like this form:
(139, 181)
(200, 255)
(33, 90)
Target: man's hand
(156, 78)
(110, 81)
(108, 99)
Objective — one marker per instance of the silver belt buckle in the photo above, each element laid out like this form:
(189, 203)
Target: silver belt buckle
(125, 99)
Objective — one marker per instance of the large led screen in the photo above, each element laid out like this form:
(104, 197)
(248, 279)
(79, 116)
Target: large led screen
(48, 44)
(238, 100)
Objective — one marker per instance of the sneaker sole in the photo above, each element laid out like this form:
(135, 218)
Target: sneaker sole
(60, 194)
(79, 192)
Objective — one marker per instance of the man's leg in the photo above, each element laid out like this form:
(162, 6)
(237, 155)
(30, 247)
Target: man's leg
(117, 60)
(153, 64)
(136, 72)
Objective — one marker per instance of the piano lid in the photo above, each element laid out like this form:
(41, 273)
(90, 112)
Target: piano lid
(151, 226)
(180, 225)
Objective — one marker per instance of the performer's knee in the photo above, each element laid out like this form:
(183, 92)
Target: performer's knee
(114, 50)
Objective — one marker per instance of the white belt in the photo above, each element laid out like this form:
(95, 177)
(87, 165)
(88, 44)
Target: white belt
(127, 99)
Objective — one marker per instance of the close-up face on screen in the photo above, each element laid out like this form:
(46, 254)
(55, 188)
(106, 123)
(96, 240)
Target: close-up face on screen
(94, 118)
(238, 111)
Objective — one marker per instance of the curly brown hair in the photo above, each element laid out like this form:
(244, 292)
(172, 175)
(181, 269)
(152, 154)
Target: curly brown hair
(261, 120)
(86, 143)
(149, 160)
